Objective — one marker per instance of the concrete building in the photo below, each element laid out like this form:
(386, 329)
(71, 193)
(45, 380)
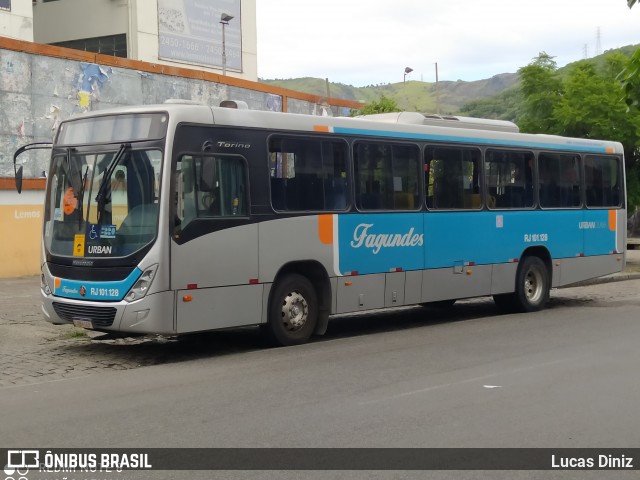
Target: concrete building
(167, 32)
(16, 19)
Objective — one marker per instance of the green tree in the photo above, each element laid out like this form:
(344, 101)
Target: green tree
(541, 89)
(586, 102)
(630, 76)
(384, 105)
(503, 106)
(630, 79)
(591, 107)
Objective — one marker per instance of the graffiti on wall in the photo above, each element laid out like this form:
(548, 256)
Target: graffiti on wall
(90, 81)
(38, 92)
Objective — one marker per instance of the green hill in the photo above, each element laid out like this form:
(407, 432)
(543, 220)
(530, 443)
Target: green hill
(494, 97)
(446, 98)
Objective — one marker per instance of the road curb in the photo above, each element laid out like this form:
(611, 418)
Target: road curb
(616, 277)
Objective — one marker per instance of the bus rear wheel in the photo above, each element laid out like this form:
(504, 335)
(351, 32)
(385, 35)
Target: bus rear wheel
(532, 287)
(293, 311)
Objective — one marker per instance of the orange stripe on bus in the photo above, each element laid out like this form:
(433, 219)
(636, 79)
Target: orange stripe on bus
(321, 128)
(613, 220)
(325, 229)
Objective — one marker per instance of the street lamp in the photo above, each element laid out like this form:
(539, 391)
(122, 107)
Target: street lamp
(224, 20)
(407, 71)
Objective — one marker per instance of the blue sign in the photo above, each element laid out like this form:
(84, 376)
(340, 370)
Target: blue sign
(105, 291)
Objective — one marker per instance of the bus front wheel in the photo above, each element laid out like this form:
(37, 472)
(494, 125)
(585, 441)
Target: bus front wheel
(532, 288)
(293, 311)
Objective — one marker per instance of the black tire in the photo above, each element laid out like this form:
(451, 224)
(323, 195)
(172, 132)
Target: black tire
(532, 288)
(293, 311)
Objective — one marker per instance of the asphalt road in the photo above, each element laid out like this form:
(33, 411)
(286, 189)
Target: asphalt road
(564, 377)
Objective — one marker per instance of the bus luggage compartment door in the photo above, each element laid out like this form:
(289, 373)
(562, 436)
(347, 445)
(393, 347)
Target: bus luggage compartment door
(361, 292)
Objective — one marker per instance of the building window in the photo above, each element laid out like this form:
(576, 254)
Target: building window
(114, 45)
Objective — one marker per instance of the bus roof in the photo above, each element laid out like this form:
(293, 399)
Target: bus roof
(415, 118)
(400, 126)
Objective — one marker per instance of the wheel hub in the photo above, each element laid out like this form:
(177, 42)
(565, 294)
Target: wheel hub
(295, 311)
(533, 285)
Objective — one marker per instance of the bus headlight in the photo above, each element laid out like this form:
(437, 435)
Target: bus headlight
(141, 287)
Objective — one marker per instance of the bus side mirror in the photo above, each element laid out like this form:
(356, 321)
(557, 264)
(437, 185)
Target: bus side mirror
(18, 169)
(19, 179)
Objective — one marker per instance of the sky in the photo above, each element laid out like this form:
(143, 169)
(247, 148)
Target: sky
(371, 42)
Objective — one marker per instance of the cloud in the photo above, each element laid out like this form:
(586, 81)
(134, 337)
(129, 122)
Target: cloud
(364, 42)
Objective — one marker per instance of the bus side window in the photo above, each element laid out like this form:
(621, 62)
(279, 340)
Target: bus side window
(307, 174)
(452, 178)
(509, 179)
(222, 186)
(210, 186)
(386, 176)
(602, 181)
(559, 180)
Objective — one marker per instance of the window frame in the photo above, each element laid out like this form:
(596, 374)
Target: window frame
(320, 139)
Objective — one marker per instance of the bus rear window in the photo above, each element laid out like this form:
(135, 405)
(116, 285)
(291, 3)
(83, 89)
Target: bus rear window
(603, 180)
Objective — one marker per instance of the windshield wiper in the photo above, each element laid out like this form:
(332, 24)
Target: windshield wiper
(75, 175)
(80, 197)
(102, 198)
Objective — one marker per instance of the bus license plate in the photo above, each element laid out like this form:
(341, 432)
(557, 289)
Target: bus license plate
(82, 323)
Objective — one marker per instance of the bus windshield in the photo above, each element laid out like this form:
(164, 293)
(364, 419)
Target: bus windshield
(102, 204)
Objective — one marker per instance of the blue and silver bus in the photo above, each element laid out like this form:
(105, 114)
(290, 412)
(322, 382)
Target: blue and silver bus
(180, 218)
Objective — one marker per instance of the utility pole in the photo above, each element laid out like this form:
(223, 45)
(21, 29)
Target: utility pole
(437, 92)
(224, 20)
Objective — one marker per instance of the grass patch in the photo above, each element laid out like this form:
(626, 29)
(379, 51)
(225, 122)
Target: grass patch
(76, 333)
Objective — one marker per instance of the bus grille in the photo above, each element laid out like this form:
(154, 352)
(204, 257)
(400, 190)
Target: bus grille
(99, 316)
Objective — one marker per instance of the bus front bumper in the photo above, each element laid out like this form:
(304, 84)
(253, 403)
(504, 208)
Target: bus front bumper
(153, 313)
